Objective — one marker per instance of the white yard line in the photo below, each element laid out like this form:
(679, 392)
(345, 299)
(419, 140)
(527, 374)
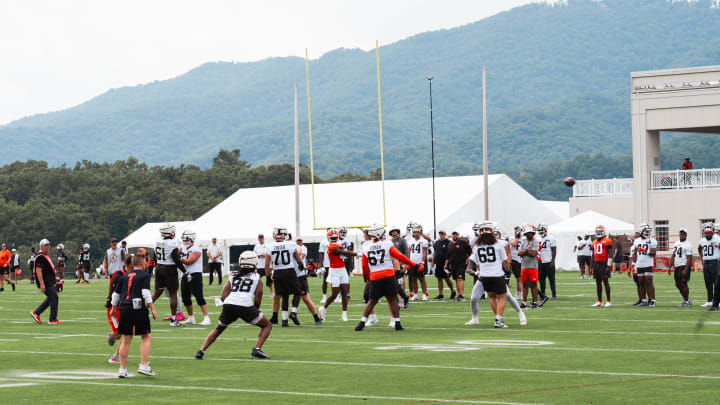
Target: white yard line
(290, 393)
(380, 365)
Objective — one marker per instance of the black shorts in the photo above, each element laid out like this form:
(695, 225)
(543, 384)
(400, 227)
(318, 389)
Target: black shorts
(85, 266)
(166, 277)
(383, 287)
(601, 271)
(261, 272)
(644, 271)
(515, 267)
(583, 261)
(4, 270)
(416, 274)
(458, 272)
(287, 283)
(192, 289)
(134, 318)
(230, 313)
(494, 284)
(304, 284)
(441, 273)
(679, 277)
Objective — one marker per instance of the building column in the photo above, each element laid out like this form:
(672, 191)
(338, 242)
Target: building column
(646, 158)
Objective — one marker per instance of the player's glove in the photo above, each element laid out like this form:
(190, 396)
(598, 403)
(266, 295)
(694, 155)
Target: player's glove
(188, 277)
(108, 304)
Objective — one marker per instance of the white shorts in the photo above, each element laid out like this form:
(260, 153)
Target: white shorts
(336, 277)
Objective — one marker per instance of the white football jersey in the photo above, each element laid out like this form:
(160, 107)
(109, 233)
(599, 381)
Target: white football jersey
(242, 289)
(488, 259)
(163, 251)
(514, 251)
(642, 247)
(378, 255)
(579, 246)
(710, 248)
(323, 249)
(303, 255)
(681, 251)
(587, 250)
(114, 260)
(282, 255)
(416, 249)
(260, 250)
(198, 265)
(546, 245)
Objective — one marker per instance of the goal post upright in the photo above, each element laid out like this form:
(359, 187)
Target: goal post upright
(382, 157)
(312, 169)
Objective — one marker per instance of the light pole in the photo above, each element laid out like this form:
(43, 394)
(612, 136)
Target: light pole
(432, 152)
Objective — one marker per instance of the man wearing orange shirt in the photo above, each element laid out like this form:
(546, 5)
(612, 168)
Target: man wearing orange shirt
(5, 268)
(338, 275)
(602, 248)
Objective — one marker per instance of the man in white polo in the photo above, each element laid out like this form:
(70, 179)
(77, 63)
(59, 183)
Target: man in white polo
(215, 261)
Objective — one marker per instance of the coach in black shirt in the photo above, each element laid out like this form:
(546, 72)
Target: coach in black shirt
(45, 278)
(458, 252)
(439, 258)
(132, 299)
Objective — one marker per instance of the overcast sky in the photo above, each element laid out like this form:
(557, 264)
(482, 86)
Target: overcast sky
(57, 54)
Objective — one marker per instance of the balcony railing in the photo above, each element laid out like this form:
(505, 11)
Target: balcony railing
(686, 179)
(603, 188)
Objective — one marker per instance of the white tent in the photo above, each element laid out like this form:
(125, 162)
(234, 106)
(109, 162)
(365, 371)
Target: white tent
(148, 234)
(567, 231)
(459, 200)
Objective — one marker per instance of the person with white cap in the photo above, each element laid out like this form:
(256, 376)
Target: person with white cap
(15, 265)
(680, 263)
(709, 251)
(45, 277)
(5, 257)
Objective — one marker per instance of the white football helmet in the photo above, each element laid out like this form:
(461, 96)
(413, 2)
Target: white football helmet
(188, 236)
(86, 247)
(416, 228)
(645, 230)
(167, 231)
(529, 228)
(248, 260)
(342, 231)
(60, 246)
(376, 231)
(476, 227)
(280, 233)
(485, 227)
(708, 228)
(542, 230)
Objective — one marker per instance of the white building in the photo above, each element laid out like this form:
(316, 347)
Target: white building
(673, 100)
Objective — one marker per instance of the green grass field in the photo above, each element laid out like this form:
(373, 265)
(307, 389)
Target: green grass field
(569, 353)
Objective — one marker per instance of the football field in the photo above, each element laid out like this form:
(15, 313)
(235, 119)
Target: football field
(569, 353)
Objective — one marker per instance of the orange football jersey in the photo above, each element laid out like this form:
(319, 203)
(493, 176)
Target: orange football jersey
(600, 249)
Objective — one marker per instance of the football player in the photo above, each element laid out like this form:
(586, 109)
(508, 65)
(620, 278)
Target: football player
(402, 247)
(85, 263)
(378, 268)
(241, 297)
(260, 250)
(644, 255)
(548, 253)
(602, 248)
(487, 256)
(193, 287)
(322, 251)
(169, 261)
(61, 260)
(516, 262)
(338, 275)
(113, 316)
(349, 260)
(633, 270)
(302, 275)
(282, 257)
(709, 250)
(680, 263)
(418, 253)
(528, 251)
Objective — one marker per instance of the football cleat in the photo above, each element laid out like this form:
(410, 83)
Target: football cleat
(294, 318)
(285, 323)
(122, 373)
(406, 302)
(146, 370)
(637, 304)
(344, 317)
(499, 324)
(258, 353)
(643, 304)
(473, 321)
(199, 355)
(534, 305)
(453, 295)
(460, 298)
(607, 304)
(114, 359)
(713, 308)
(425, 297)
(707, 304)
(360, 326)
(180, 316)
(56, 322)
(523, 318)
(652, 303)
(205, 322)
(321, 313)
(684, 304)
(175, 323)
(543, 300)
(597, 304)
(439, 297)
(371, 322)
(398, 326)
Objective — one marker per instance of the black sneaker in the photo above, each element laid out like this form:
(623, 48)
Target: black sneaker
(523, 305)
(406, 302)
(294, 318)
(199, 355)
(643, 303)
(285, 323)
(453, 295)
(274, 320)
(637, 304)
(398, 326)
(259, 354)
(13, 286)
(534, 305)
(360, 326)
(713, 308)
(439, 297)
(2, 289)
(318, 321)
(652, 303)
(543, 301)
(460, 298)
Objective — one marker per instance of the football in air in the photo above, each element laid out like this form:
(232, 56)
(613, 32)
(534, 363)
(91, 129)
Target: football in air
(569, 181)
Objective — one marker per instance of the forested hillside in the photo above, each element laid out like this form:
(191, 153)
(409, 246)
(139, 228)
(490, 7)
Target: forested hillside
(558, 86)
